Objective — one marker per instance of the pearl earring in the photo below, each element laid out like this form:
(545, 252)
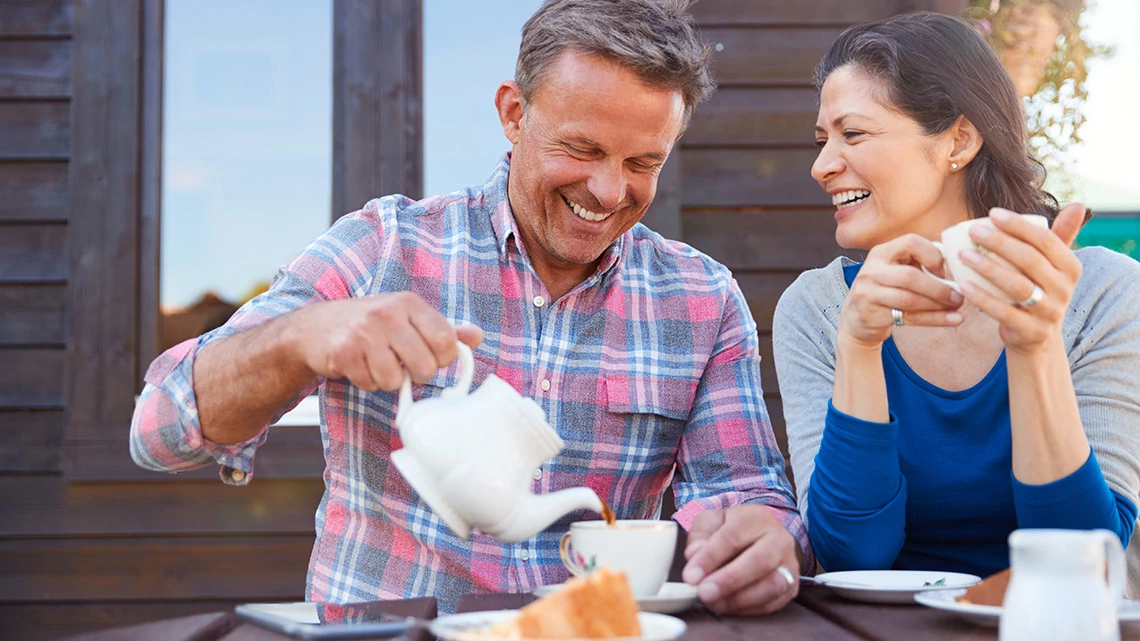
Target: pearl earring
(953, 165)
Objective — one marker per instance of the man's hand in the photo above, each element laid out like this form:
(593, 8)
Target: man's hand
(743, 560)
(243, 380)
(372, 340)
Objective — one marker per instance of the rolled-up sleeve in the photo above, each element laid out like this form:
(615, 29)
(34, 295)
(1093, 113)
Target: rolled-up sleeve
(729, 454)
(166, 433)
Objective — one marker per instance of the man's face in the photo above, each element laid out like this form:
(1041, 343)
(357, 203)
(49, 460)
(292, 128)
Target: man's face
(587, 150)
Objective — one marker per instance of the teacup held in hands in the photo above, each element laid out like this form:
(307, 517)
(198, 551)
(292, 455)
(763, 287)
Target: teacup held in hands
(956, 238)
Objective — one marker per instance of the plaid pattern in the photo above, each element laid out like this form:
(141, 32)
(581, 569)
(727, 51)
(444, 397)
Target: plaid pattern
(651, 362)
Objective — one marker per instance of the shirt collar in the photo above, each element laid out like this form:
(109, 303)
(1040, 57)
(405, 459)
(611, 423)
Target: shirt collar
(496, 200)
(504, 225)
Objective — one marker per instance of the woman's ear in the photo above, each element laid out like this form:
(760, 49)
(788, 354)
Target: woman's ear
(966, 142)
(509, 104)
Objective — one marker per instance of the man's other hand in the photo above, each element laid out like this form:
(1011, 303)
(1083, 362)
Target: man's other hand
(373, 339)
(743, 560)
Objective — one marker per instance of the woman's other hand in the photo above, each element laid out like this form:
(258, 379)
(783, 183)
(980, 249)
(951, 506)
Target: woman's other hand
(892, 278)
(1038, 258)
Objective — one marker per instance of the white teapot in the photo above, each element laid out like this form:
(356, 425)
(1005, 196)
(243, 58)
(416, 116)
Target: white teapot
(472, 457)
(1057, 588)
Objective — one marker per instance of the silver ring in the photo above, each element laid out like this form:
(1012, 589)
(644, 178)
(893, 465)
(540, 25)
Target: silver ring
(788, 576)
(1034, 297)
(896, 315)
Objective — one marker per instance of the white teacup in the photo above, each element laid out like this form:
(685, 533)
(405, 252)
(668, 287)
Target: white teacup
(643, 550)
(956, 238)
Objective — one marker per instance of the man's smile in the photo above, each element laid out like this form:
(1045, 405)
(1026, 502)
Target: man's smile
(584, 213)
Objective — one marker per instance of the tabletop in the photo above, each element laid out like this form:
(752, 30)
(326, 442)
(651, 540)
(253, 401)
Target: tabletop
(816, 614)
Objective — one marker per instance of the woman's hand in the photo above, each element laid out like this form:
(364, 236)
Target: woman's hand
(892, 278)
(1038, 258)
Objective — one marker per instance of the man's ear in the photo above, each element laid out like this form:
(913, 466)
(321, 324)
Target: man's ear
(966, 142)
(509, 104)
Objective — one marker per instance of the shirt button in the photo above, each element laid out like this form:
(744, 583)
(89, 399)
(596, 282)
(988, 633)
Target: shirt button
(538, 474)
(539, 301)
(237, 475)
(524, 554)
(545, 385)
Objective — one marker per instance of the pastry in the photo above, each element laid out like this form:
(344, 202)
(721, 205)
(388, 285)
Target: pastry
(597, 606)
(990, 591)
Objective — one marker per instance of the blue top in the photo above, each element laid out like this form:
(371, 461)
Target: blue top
(934, 488)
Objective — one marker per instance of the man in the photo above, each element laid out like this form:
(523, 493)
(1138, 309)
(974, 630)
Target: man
(640, 350)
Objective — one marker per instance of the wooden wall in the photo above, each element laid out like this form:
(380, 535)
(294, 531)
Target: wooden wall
(747, 195)
(84, 550)
(35, 91)
(87, 540)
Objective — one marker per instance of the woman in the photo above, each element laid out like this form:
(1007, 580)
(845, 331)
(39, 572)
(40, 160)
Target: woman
(952, 420)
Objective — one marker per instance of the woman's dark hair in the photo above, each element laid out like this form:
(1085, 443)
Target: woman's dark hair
(936, 68)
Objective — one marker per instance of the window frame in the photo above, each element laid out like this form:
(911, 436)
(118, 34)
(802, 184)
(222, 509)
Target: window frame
(116, 183)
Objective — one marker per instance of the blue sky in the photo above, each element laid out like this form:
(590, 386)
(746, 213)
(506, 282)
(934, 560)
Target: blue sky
(247, 141)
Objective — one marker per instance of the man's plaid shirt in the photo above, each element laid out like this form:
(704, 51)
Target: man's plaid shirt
(652, 362)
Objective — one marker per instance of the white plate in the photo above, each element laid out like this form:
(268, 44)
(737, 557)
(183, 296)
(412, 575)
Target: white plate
(891, 586)
(672, 598)
(991, 614)
(466, 627)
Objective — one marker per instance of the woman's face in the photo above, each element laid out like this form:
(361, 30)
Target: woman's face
(885, 176)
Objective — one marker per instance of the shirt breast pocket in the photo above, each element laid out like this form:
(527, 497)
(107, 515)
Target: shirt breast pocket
(643, 417)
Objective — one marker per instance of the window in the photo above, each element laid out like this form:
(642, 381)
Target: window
(247, 148)
(462, 137)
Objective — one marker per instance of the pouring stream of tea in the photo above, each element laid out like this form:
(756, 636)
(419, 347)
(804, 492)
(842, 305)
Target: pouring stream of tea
(608, 513)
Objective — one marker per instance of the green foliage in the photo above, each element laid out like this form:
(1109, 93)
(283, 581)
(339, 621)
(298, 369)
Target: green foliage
(1054, 112)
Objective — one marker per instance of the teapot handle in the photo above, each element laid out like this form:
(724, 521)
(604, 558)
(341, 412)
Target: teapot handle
(461, 388)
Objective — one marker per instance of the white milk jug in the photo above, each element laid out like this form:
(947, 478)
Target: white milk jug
(1058, 589)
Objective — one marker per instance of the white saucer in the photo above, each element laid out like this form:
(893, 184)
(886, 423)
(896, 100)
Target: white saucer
(891, 586)
(466, 627)
(991, 614)
(672, 598)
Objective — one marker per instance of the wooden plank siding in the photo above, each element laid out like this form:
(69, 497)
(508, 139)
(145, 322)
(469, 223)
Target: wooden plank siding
(32, 315)
(377, 96)
(104, 201)
(140, 568)
(35, 129)
(33, 191)
(815, 12)
(35, 69)
(30, 441)
(36, 19)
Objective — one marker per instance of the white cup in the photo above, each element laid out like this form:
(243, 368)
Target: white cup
(643, 550)
(956, 238)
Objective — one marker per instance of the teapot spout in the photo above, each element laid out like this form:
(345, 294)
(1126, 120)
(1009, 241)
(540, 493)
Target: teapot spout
(539, 511)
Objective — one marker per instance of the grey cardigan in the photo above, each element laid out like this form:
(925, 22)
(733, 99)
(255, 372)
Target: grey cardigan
(1102, 337)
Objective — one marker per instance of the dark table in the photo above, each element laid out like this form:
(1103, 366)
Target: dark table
(815, 615)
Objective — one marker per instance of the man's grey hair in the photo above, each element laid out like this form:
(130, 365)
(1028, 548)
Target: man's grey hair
(657, 39)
